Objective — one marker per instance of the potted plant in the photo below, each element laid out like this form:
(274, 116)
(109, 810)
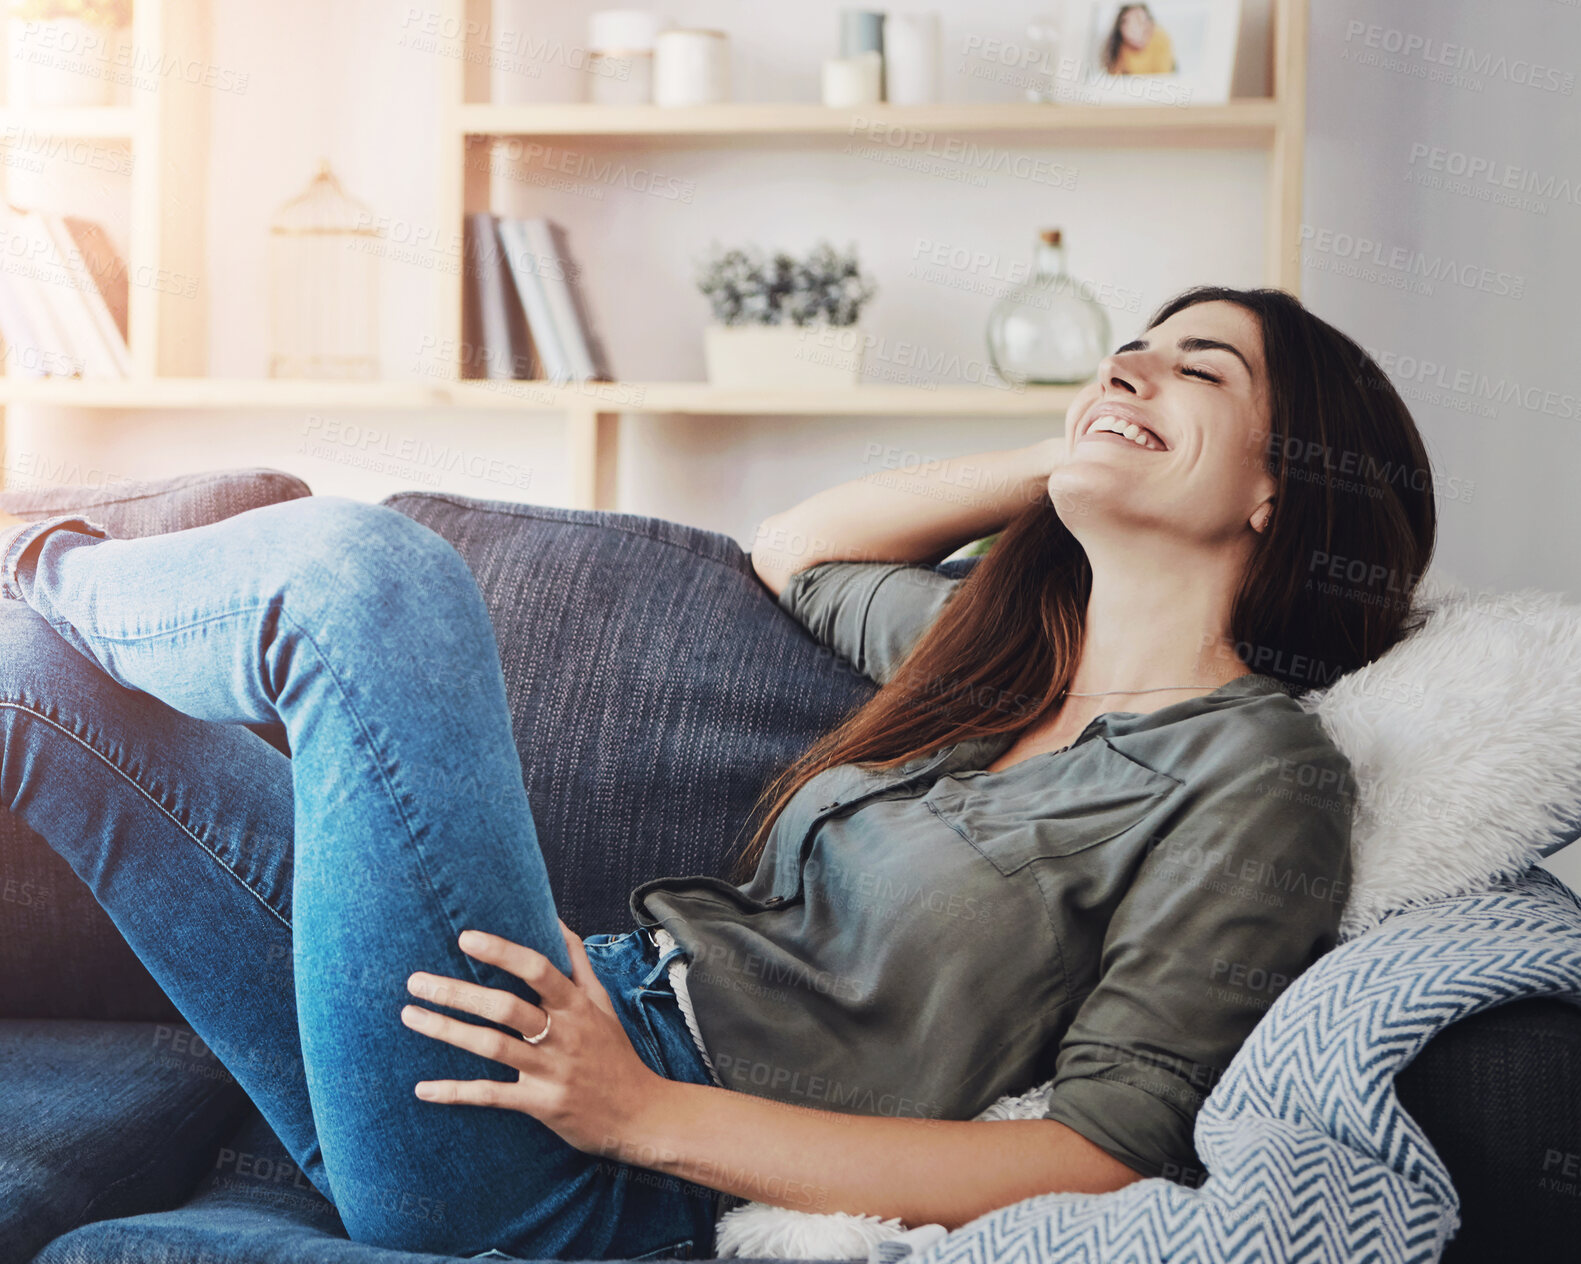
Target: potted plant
(63, 51)
(779, 321)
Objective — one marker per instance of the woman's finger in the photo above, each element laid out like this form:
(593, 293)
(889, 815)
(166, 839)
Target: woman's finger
(478, 1092)
(505, 1008)
(581, 968)
(471, 1093)
(486, 1042)
(527, 964)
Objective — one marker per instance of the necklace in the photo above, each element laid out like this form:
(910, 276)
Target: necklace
(1161, 689)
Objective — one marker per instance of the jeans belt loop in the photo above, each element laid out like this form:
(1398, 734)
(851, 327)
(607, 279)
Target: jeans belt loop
(663, 964)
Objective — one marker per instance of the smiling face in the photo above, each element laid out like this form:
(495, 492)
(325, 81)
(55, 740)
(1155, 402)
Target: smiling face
(1194, 390)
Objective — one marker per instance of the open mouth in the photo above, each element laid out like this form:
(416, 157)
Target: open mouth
(1113, 428)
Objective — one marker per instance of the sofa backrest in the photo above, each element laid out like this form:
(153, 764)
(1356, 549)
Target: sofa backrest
(655, 687)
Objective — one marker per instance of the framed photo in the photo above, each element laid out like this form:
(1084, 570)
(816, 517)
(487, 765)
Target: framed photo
(1163, 52)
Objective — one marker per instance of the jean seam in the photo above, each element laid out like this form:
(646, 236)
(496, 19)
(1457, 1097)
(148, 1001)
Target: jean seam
(28, 709)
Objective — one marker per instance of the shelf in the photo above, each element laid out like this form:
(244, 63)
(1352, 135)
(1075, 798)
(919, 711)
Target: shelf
(1249, 122)
(197, 392)
(102, 122)
(695, 398)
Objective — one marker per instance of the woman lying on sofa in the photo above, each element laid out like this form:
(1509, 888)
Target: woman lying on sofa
(1082, 831)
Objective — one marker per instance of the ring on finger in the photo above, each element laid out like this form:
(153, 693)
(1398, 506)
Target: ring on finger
(547, 1020)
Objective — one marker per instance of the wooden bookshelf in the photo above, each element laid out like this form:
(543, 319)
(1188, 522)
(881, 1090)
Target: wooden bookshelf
(1236, 124)
(1275, 124)
(166, 131)
(168, 334)
(692, 398)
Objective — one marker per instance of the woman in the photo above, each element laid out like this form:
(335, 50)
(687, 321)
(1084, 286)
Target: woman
(294, 909)
(1137, 45)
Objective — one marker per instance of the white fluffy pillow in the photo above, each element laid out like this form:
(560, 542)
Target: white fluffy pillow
(1465, 739)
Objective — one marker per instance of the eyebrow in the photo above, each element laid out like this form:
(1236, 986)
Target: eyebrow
(1191, 344)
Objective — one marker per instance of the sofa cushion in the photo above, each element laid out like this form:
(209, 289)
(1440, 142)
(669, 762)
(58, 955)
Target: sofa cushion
(100, 1120)
(1499, 1096)
(60, 955)
(251, 1207)
(654, 684)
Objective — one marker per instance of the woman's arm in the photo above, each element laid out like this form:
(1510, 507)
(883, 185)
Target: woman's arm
(587, 1083)
(924, 1171)
(918, 514)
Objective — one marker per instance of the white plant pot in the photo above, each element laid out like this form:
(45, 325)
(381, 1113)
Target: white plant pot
(61, 62)
(800, 357)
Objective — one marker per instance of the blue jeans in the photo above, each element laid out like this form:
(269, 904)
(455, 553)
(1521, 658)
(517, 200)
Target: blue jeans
(149, 691)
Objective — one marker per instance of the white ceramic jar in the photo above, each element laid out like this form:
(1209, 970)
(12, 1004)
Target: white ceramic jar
(691, 66)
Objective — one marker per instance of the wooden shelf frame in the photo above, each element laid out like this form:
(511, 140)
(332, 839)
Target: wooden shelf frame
(691, 398)
(168, 331)
(1275, 124)
(1237, 123)
(166, 129)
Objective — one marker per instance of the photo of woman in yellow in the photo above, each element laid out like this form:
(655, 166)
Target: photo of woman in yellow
(1137, 45)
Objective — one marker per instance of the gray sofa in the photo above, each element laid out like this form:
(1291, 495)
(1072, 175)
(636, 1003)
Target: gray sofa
(123, 1140)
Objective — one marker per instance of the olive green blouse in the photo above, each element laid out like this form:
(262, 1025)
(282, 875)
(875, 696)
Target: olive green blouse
(1115, 916)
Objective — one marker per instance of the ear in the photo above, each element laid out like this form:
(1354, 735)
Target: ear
(1261, 515)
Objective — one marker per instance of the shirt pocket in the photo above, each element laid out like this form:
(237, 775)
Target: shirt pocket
(1051, 805)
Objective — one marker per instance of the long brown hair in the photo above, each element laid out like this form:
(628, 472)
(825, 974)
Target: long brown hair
(1327, 587)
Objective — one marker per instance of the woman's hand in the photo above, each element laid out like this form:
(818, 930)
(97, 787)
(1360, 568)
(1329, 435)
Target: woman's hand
(584, 1080)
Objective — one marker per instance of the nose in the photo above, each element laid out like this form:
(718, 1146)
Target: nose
(1122, 371)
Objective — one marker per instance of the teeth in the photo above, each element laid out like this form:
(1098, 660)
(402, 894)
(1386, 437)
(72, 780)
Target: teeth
(1126, 429)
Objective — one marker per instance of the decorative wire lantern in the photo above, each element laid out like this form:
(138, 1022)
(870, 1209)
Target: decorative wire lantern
(324, 284)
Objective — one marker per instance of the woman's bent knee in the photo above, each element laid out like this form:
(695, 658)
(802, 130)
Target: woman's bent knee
(371, 556)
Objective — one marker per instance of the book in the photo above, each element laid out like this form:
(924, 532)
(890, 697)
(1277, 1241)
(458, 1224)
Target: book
(498, 346)
(59, 284)
(46, 351)
(105, 266)
(24, 355)
(597, 358)
(104, 332)
(526, 276)
(552, 269)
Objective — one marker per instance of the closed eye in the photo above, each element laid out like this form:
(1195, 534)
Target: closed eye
(1202, 373)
